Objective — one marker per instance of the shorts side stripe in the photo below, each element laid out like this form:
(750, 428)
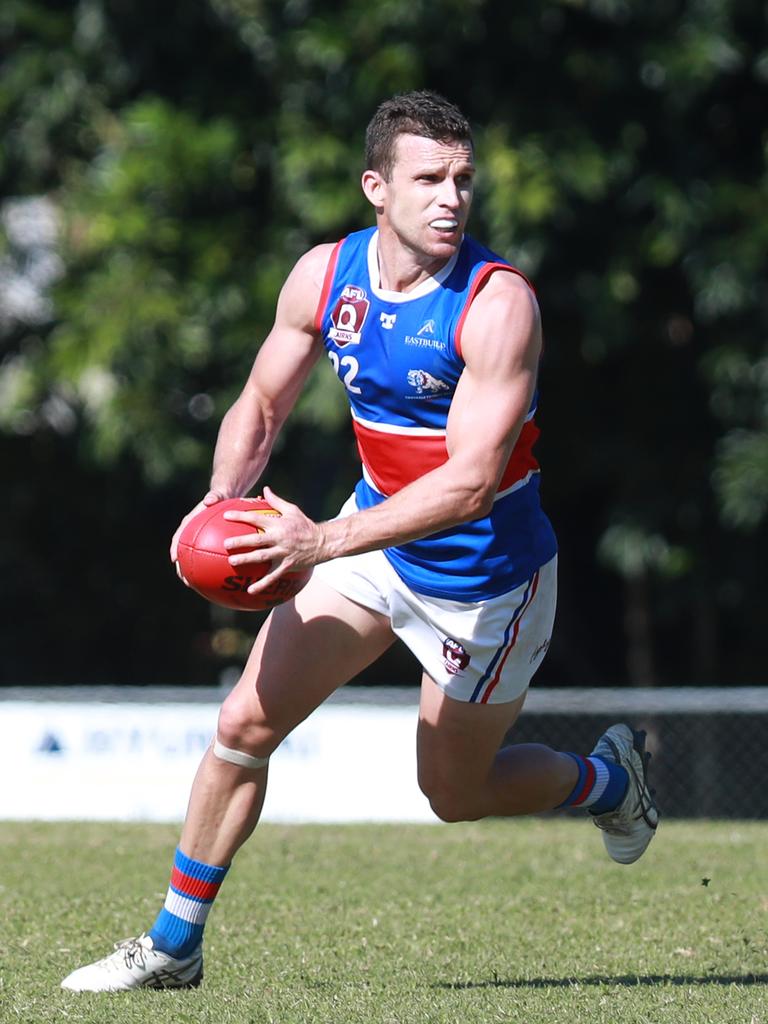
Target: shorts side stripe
(496, 666)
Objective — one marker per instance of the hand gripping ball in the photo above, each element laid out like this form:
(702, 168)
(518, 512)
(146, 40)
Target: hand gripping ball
(203, 560)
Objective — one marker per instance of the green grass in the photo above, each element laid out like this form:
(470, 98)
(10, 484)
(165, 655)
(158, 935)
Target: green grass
(522, 921)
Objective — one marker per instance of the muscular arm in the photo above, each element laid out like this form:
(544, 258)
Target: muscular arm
(249, 428)
(501, 344)
(252, 423)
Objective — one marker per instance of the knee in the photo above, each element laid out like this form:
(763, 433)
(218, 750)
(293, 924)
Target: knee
(450, 801)
(243, 726)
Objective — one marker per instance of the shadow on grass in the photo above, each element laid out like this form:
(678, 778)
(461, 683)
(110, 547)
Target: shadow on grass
(628, 980)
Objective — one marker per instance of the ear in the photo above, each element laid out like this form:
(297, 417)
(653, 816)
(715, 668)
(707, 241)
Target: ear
(374, 188)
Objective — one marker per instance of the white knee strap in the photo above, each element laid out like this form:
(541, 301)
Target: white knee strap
(238, 757)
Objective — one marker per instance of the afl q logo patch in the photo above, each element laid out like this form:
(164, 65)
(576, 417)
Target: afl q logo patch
(348, 316)
(455, 656)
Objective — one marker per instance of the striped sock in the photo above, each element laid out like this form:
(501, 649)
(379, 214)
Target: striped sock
(179, 925)
(601, 785)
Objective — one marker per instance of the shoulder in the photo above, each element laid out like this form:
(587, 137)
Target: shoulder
(491, 278)
(310, 269)
(503, 316)
(301, 291)
(308, 273)
(502, 284)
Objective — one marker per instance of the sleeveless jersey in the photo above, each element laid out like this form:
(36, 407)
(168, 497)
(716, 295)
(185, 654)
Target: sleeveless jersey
(399, 357)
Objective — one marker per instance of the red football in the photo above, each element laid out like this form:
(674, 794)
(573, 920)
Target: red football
(204, 561)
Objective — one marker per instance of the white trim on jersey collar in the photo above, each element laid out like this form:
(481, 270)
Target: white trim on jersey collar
(426, 286)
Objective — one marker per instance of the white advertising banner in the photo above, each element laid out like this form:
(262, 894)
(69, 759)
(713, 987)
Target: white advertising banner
(136, 762)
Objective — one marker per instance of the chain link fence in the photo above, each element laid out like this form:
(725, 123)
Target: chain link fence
(709, 745)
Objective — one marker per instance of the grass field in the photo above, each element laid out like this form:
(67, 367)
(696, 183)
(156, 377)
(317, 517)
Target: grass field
(522, 921)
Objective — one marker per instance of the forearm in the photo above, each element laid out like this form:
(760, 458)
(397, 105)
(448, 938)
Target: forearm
(243, 446)
(440, 499)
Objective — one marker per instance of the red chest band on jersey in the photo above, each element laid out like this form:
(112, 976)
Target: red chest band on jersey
(394, 460)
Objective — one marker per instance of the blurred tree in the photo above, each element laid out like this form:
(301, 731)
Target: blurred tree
(160, 183)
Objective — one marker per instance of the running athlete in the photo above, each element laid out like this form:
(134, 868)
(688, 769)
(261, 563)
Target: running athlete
(443, 543)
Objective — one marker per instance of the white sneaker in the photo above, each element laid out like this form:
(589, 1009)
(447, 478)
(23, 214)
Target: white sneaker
(135, 963)
(629, 828)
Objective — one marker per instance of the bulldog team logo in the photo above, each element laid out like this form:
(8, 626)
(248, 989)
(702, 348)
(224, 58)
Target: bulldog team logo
(348, 316)
(425, 383)
(455, 656)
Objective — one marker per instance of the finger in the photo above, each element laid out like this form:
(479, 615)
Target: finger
(250, 541)
(251, 516)
(252, 556)
(247, 516)
(251, 560)
(181, 575)
(266, 581)
(277, 502)
(174, 548)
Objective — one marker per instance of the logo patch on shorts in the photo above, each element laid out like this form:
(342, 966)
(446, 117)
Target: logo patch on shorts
(455, 656)
(540, 651)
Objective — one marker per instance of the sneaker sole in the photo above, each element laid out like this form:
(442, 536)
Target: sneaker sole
(154, 984)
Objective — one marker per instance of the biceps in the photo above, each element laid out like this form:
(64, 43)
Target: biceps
(282, 366)
(487, 416)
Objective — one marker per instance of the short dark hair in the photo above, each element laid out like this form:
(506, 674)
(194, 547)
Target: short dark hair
(421, 113)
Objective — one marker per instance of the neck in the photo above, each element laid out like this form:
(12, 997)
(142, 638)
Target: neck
(401, 269)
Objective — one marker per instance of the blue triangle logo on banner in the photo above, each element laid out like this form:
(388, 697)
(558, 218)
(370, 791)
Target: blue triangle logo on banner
(50, 745)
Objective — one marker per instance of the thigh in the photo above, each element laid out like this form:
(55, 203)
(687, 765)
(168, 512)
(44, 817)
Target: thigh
(457, 740)
(306, 649)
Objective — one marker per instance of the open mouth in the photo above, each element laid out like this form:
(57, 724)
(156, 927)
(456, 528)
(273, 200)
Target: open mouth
(444, 224)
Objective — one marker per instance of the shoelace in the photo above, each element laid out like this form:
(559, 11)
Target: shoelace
(133, 953)
(612, 823)
(619, 824)
(644, 794)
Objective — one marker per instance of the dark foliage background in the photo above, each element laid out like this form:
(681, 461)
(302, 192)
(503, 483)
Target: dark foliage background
(162, 167)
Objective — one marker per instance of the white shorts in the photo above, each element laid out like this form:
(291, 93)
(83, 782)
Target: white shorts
(483, 652)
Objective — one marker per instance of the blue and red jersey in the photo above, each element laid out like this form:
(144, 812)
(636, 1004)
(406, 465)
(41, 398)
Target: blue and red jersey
(399, 358)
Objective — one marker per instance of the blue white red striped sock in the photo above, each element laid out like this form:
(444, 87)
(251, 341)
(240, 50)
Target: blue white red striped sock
(179, 925)
(601, 785)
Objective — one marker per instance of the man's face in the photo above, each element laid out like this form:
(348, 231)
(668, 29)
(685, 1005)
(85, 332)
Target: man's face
(427, 199)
